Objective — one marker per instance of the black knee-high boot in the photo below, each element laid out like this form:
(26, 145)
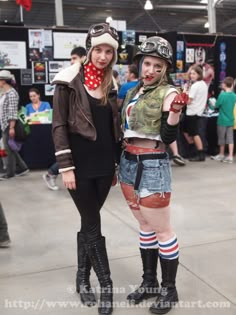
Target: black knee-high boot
(98, 256)
(82, 277)
(168, 295)
(149, 287)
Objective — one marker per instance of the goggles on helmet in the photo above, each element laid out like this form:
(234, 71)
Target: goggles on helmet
(102, 28)
(160, 48)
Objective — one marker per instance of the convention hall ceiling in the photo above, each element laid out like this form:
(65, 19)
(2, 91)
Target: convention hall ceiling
(167, 15)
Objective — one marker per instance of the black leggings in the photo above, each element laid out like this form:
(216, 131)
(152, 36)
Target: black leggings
(89, 198)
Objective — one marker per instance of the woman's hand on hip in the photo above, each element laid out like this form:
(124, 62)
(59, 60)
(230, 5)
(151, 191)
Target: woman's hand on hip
(69, 179)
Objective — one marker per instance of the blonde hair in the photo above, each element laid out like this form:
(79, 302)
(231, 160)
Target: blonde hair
(106, 85)
(163, 79)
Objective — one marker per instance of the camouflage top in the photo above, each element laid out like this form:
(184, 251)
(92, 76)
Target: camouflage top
(145, 115)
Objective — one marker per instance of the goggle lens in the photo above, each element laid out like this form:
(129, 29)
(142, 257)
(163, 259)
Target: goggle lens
(150, 47)
(164, 51)
(100, 29)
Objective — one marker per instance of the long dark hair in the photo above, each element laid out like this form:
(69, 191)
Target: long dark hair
(34, 90)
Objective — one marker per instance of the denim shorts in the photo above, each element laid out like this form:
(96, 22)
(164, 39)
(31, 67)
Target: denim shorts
(156, 175)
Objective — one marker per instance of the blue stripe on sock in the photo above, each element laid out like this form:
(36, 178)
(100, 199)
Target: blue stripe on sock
(147, 235)
(149, 244)
(175, 255)
(169, 244)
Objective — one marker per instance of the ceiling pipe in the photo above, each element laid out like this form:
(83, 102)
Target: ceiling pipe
(59, 13)
(211, 16)
(181, 7)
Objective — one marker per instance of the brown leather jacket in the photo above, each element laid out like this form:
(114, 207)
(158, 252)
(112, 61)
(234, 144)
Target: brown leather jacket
(71, 113)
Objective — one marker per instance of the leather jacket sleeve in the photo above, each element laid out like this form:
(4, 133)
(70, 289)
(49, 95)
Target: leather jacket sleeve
(60, 128)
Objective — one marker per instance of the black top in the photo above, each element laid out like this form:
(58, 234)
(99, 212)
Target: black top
(95, 158)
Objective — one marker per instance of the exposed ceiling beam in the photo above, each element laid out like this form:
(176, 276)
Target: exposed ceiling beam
(228, 23)
(136, 17)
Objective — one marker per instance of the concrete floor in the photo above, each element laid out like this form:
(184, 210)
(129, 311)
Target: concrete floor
(37, 272)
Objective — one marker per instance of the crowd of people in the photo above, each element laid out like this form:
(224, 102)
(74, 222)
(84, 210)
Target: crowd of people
(92, 116)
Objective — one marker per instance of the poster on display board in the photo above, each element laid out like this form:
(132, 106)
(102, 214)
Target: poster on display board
(180, 56)
(26, 76)
(12, 55)
(47, 38)
(203, 55)
(142, 38)
(40, 45)
(57, 66)
(51, 76)
(36, 39)
(65, 42)
(39, 72)
(49, 89)
(36, 55)
(128, 38)
(189, 55)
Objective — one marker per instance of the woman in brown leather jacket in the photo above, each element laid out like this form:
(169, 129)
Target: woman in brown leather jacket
(85, 129)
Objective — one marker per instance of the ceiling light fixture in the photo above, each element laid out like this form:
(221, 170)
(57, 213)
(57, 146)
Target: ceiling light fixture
(109, 19)
(215, 2)
(206, 25)
(148, 5)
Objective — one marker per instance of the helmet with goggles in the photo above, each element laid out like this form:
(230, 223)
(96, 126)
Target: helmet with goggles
(99, 34)
(156, 47)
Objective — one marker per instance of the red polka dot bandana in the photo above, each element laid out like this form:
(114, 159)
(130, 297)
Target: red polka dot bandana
(93, 76)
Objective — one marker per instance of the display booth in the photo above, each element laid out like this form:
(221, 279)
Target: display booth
(35, 55)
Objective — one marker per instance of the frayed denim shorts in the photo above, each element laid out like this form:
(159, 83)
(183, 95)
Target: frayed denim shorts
(156, 175)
